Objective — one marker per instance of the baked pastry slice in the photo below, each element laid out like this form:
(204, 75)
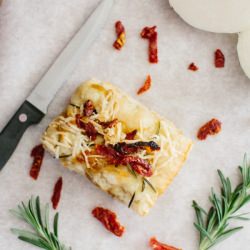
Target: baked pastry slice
(124, 148)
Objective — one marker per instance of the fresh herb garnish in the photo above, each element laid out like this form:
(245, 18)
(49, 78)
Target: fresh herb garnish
(132, 199)
(150, 184)
(76, 106)
(65, 156)
(159, 128)
(132, 171)
(144, 181)
(143, 185)
(41, 236)
(213, 225)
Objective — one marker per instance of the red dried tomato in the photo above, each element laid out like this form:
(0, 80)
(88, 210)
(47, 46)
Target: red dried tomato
(119, 27)
(79, 122)
(131, 135)
(89, 128)
(148, 144)
(150, 33)
(219, 59)
(109, 220)
(121, 36)
(210, 128)
(125, 148)
(57, 193)
(146, 86)
(80, 158)
(139, 165)
(88, 108)
(90, 131)
(38, 154)
(156, 245)
(111, 154)
(109, 124)
(192, 67)
(115, 157)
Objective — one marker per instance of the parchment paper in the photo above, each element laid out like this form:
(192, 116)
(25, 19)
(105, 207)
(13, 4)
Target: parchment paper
(32, 33)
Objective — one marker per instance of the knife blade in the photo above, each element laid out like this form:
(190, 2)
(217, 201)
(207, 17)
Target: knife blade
(35, 106)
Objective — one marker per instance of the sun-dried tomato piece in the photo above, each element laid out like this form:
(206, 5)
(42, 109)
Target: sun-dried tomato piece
(89, 128)
(146, 86)
(125, 148)
(80, 158)
(110, 153)
(156, 245)
(131, 135)
(79, 122)
(150, 33)
(151, 144)
(109, 124)
(38, 154)
(121, 36)
(192, 67)
(57, 193)
(153, 49)
(119, 27)
(219, 59)
(139, 165)
(210, 128)
(109, 220)
(89, 108)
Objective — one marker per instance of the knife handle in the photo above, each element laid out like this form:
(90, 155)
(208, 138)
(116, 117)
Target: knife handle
(25, 116)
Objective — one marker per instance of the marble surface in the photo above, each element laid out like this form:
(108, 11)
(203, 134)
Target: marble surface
(32, 33)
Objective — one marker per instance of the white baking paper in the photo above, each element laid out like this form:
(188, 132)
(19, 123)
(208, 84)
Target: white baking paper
(32, 33)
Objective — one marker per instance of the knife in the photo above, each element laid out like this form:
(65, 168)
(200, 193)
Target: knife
(35, 106)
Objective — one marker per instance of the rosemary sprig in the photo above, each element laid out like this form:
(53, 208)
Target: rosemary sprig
(144, 180)
(132, 171)
(41, 236)
(149, 183)
(65, 156)
(158, 128)
(76, 106)
(213, 225)
(143, 185)
(131, 200)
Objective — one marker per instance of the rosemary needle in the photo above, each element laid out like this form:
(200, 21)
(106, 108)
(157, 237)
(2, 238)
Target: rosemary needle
(213, 225)
(131, 200)
(150, 184)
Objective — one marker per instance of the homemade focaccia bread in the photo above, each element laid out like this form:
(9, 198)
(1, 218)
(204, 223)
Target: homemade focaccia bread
(122, 147)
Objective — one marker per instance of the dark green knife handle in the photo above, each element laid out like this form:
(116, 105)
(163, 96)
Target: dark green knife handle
(25, 116)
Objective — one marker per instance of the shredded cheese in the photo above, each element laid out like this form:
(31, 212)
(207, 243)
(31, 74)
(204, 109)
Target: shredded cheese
(86, 159)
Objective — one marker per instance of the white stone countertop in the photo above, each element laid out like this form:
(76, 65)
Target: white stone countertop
(32, 33)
